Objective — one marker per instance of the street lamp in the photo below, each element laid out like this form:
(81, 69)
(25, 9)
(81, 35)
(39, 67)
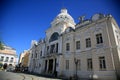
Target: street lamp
(76, 63)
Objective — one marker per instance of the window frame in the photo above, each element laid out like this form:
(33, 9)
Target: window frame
(11, 59)
(67, 65)
(6, 59)
(89, 64)
(67, 46)
(77, 45)
(2, 58)
(88, 42)
(102, 63)
(99, 38)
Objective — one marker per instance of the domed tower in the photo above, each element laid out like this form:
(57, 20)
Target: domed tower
(62, 21)
(54, 39)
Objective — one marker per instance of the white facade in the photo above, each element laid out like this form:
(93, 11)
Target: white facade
(90, 48)
(9, 56)
(36, 57)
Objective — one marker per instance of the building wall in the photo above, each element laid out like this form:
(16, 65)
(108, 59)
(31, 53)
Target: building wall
(35, 58)
(94, 52)
(66, 61)
(14, 62)
(26, 59)
(11, 54)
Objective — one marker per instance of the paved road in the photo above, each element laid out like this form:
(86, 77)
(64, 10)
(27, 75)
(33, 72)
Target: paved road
(21, 76)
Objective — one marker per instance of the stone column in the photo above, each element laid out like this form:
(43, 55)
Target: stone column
(54, 50)
(53, 65)
(47, 65)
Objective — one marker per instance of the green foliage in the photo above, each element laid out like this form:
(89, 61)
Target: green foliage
(1, 65)
(1, 46)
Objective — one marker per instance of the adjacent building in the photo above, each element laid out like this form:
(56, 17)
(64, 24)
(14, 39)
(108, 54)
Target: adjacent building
(90, 48)
(8, 56)
(24, 58)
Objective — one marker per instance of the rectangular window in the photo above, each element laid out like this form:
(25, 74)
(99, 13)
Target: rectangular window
(11, 60)
(77, 45)
(32, 56)
(47, 49)
(99, 38)
(89, 64)
(2, 58)
(67, 47)
(78, 64)
(88, 42)
(52, 48)
(102, 63)
(67, 64)
(7, 58)
(40, 53)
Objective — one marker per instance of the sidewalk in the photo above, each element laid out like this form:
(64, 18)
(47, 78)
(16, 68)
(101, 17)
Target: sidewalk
(50, 76)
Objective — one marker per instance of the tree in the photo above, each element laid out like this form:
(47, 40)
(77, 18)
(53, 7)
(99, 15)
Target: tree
(1, 65)
(5, 66)
(1, 46)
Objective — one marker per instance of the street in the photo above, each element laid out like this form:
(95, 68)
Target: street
(21, 76)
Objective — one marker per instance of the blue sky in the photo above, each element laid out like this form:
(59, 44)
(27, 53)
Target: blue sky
(24, 20)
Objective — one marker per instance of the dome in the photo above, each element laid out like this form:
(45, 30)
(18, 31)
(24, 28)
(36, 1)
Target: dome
(63, 16)
(97, 16)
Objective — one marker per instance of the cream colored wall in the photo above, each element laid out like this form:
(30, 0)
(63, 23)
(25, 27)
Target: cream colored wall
(94, 52)
(108, 49)
(114, 42)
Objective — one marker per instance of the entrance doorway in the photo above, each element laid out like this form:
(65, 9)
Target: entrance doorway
(45, 65)
(55, 66)
(50, 69)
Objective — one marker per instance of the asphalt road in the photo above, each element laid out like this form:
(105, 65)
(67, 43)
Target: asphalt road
(21, 76)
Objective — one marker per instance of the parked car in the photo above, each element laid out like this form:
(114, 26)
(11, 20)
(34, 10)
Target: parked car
(10, 68)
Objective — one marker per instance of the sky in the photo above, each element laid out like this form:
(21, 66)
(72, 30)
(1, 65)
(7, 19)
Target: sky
(22, 21)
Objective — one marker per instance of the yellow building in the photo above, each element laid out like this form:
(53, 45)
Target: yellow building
(24, 58)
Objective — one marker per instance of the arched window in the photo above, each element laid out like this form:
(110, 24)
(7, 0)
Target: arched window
(54, 37)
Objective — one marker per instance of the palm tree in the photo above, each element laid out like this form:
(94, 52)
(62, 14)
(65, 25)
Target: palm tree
(1, 46)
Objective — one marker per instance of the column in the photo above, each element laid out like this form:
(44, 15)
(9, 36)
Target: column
(53, 66)
(47, 65)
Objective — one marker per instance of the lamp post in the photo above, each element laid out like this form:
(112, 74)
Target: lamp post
(76, 63)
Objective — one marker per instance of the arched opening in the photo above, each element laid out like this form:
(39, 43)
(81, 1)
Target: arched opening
(10, 64)
(54, 37)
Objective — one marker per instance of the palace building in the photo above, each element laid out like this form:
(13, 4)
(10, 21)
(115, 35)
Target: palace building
(88, 49)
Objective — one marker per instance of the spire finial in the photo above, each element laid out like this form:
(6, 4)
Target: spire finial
(64, 10)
